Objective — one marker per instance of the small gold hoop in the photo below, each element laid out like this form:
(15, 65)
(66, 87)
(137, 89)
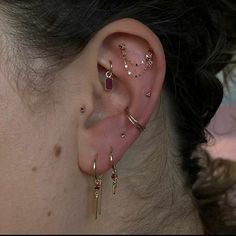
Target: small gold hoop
(95, 168)
(135, 122)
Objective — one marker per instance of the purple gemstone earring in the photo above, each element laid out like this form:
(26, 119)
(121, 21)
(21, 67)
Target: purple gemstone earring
(109, 79)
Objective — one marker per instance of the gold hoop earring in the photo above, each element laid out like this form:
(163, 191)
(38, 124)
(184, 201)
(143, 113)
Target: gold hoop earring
(114, 175)
(98, 190)
(134, 122)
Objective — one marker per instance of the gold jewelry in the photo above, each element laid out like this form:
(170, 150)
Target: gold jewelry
(134, 122)
(148, 94)
(114, 175)
(145, 63)
(109, 79)
(98, 190)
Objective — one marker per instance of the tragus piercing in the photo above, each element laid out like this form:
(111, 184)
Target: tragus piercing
(109, 78)
(146, 62)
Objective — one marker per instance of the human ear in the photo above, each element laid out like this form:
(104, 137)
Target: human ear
(138, 71)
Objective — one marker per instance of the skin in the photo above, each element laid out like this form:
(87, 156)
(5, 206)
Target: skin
(47, 152)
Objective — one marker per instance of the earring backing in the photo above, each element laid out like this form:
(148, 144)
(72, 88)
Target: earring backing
(98, 190)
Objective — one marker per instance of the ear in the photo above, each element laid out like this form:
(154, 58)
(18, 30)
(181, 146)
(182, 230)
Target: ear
(104, 126)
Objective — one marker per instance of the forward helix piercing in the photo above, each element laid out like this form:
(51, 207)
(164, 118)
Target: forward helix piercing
(98, 190)
(114, 175)
(134, 122)
(109, 78)
(146, 63)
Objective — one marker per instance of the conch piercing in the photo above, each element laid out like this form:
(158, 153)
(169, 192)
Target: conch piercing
(109, 79)
(114, 175)
(98, 190)
(146, 63)
(134, 122)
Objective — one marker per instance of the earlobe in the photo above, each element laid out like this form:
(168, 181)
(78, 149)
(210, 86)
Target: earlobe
(130, 74)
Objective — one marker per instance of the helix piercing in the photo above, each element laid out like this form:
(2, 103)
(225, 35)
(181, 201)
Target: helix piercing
(148, 94)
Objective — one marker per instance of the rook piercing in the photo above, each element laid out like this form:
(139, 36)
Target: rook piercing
(109, 79)
(134, 122)
(114, 175)
(98, 190)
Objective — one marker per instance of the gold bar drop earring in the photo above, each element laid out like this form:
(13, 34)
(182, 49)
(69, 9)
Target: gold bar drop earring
(114, 175)
(98, 190)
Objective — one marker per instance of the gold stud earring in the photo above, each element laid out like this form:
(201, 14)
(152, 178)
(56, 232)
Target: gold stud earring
(148, 94)
(114, 175)
(98, 190)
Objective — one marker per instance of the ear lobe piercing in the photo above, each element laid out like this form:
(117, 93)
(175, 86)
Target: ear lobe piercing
(109, 79)
(114, 175)
(146, 63)
(98, 191)
(134, 122)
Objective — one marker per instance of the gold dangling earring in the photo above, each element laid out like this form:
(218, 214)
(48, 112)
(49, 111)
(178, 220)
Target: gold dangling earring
(109, 78)
(98, 190)
(114, 175)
